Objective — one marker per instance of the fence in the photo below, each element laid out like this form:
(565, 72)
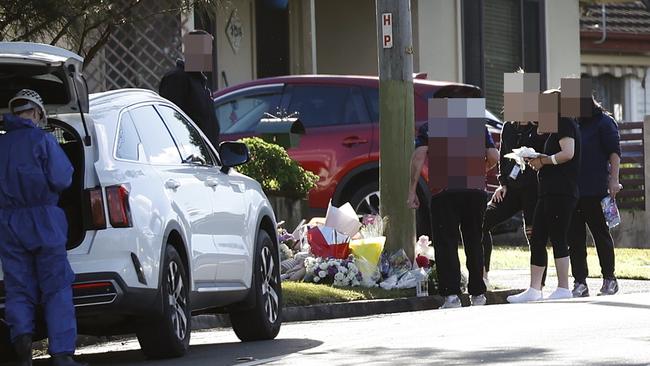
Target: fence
(632, 173)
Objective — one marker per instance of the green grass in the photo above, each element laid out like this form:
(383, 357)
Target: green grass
(630, 263)
(302, 293)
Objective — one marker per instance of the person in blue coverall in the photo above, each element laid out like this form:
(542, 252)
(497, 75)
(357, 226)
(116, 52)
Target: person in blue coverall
(34, 170)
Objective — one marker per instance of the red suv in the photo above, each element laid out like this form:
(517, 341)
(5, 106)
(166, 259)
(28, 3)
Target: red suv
(340, 115)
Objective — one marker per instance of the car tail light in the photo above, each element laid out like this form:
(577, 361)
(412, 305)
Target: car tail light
(96, 200)
(119, 211)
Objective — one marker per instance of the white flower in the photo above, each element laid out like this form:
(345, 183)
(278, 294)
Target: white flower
(342, 269)
(316, 278)
(322, 274)
(323, 266)
(339, 276)
(352, 267)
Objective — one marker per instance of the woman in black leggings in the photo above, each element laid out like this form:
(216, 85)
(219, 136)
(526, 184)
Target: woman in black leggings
(557, 174)
(517, 189)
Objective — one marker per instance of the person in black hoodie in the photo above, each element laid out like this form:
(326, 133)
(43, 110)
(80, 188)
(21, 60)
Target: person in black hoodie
(598, 178)
(517, 189)
(187, 87)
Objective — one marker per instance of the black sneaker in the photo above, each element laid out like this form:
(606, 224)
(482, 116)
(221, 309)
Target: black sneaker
(580, 290)
(610, 287)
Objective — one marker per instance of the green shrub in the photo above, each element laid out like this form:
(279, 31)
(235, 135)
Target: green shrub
(278, 174)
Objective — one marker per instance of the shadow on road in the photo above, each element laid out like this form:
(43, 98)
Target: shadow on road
(204, 354)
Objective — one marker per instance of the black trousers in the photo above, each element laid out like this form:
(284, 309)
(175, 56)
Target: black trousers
(589, 212)
(453, 213)
(516, 199)
(551, 222)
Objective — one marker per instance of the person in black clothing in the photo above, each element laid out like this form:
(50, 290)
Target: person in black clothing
(557, 169)
(517, 189)
(188, 89)
(451, 209)
(598, 178)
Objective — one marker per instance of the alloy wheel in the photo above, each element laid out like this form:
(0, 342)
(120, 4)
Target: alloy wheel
(177, 300)
(369, 204)
(269, 285)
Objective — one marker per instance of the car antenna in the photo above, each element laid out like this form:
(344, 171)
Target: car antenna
(71, 71)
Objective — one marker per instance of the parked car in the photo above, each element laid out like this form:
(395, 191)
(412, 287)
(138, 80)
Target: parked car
(161, 227)
(341, 144)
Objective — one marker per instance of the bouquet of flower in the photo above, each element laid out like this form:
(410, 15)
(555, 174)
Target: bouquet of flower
(373, 226)
(339, 272)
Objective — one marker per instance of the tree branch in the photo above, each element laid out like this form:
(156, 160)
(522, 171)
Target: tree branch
(98, 45)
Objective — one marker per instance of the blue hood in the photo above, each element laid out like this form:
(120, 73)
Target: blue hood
(13, 122)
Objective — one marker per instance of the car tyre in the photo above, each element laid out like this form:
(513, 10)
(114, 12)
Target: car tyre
(366, 201)
(168, 334)
(263, 320)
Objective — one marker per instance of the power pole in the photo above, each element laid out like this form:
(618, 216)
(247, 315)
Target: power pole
(396, 116)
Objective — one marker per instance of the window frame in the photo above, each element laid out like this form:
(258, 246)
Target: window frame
(142, 158)
(264, 89)
(214, 155)
(148, 160)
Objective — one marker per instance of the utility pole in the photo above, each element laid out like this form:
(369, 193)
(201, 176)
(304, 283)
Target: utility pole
(396, 116)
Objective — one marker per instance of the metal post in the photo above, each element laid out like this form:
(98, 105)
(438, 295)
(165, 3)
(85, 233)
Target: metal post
(396, 120)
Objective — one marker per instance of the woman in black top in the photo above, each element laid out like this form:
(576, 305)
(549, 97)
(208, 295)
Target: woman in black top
(517, 189)
(558, 169)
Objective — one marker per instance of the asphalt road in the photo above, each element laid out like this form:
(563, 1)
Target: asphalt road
(611, 330)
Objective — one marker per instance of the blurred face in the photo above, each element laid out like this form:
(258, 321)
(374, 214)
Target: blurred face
(30, 114)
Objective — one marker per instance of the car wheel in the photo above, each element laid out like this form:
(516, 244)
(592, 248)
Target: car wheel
(263, 320)
(366, 199)
(168, 335)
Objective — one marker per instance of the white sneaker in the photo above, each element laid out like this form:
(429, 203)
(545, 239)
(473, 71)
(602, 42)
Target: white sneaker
(529, 295)
(451, 302)
(478, 300)
(560, 293)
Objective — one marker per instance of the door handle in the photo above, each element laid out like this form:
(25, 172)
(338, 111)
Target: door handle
(353, 140)
(211, 182)
(172, 184)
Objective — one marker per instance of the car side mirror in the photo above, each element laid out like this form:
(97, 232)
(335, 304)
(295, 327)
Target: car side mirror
(233, 154)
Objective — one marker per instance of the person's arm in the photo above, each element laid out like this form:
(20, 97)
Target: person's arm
(505, 164)
(417, 162)
(567, 146)
(57, 167)
(492, 158)
(614, 185)
(610, 139)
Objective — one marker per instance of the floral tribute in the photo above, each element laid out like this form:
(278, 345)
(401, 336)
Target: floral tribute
(339, 272)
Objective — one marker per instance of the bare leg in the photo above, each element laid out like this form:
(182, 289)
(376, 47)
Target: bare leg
(562, 268)
(536, 275)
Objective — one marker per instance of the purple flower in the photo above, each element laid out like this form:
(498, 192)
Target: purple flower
(332, 271)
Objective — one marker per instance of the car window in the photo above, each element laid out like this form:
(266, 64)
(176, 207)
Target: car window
(243, 113)
(328, 105)
(187, 137)
(372, 97)
(126, 144)
(158, 143)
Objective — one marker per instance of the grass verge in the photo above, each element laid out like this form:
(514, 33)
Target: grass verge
(302, 293)
(630, 263)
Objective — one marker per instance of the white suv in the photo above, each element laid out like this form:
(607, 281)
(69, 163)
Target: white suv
(161, 227)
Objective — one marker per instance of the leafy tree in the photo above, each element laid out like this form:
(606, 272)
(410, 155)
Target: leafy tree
(84, 25)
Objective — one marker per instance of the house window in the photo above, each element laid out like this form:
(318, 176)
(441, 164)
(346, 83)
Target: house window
(609, 91)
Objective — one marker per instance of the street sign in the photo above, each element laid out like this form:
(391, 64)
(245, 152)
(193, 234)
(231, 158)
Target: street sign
(387, 29)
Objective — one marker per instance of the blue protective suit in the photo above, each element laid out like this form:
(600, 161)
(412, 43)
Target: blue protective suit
(33, 233)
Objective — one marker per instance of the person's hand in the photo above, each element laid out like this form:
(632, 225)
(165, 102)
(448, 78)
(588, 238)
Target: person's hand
(536, 163)
(412, 201)
(614, 186)
(499, 194)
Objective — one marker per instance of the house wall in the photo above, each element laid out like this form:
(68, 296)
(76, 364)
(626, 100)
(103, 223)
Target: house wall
(562, 40)
(439, 46)
(239, 66)
(346, 37)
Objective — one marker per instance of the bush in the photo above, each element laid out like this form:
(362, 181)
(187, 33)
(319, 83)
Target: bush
(278, 174)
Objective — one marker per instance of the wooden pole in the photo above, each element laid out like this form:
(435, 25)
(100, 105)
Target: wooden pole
(396, 121)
